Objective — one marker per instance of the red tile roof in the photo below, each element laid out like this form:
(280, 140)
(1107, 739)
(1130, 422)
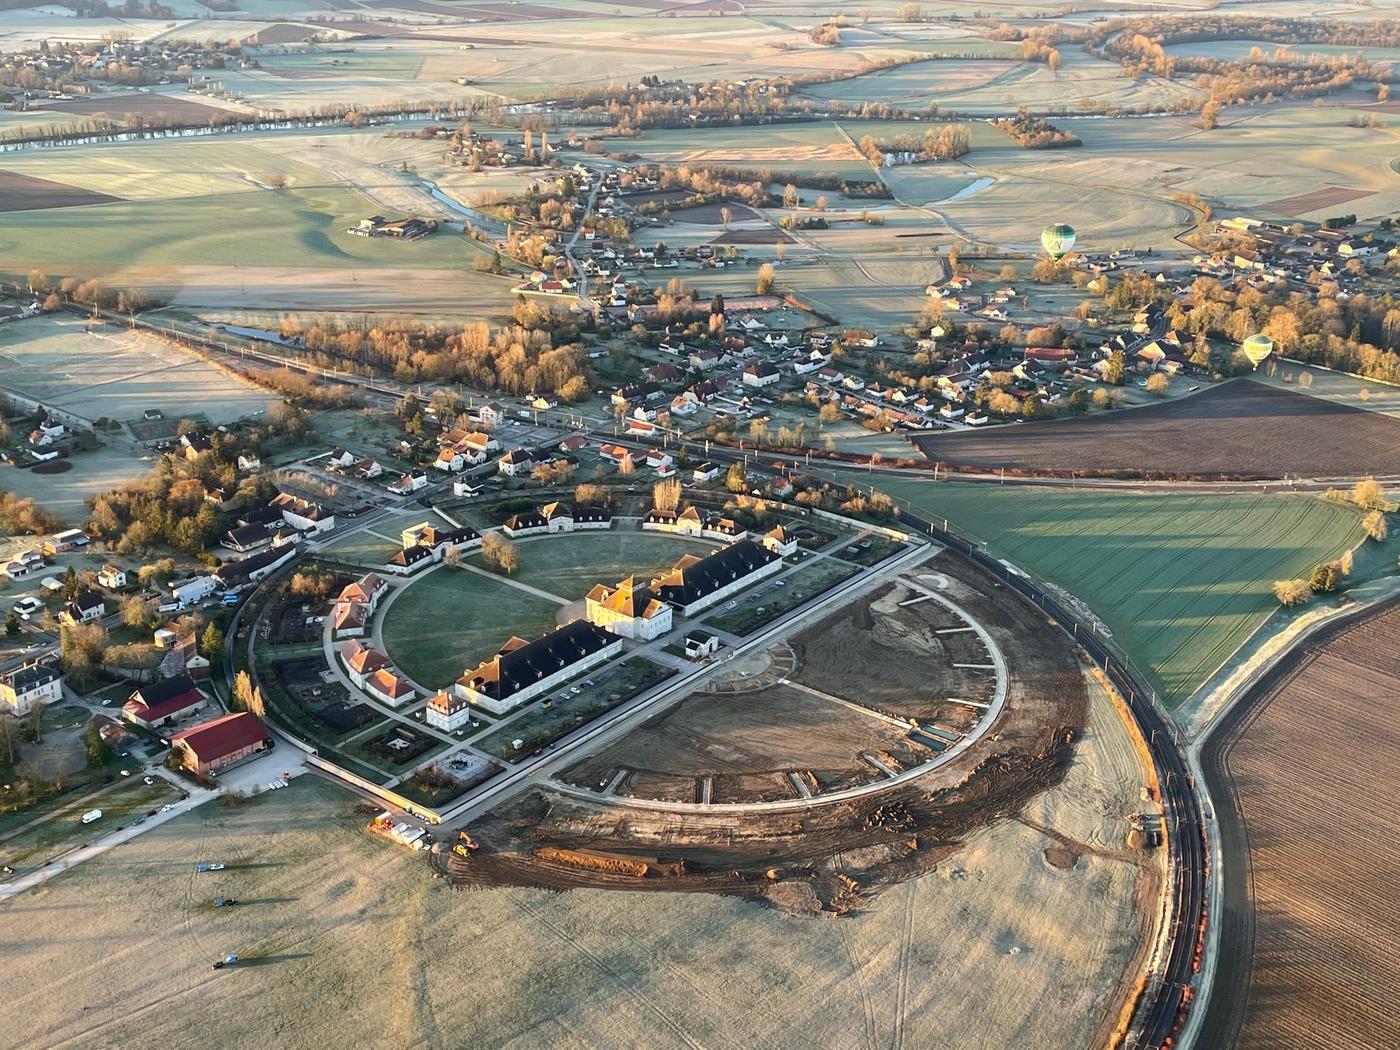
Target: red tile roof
(213, 740)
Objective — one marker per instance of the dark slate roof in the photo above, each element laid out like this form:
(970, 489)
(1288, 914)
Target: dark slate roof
(154, 693)
(507, 673)
(531, 520)
(692, 579)
(411, 556)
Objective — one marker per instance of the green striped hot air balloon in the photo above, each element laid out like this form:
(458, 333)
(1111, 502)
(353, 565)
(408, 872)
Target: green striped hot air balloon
(1057, 240)
(1257, 348)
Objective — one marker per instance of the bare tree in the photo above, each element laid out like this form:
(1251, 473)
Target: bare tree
(666, 495)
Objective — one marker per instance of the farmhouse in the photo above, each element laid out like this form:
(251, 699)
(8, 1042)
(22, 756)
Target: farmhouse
(523, 670)
(86, 607)
(34, 683)
(447, 711)
(760, 374)
(112, 577)
(695, 583)
(163, 703)
(211, 747)
(303, 514)
(629, 610)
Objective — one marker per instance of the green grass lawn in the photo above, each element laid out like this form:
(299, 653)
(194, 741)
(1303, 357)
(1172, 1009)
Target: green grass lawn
(571, 564)
(1181, 580)
(364, 548)
(119, 806)
(285, 228)
(450, 620)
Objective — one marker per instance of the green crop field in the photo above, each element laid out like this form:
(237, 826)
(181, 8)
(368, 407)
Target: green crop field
(288, 228)
(450, 620)
(570, 565)
(1181, 580)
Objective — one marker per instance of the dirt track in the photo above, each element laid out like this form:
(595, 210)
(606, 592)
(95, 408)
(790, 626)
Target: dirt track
(1239, 429)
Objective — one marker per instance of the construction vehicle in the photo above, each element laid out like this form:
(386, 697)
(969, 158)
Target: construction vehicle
(228, 960)
(225, 902)
(467, 840)
(462, 851)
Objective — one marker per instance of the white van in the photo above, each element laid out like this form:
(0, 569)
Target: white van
(91, 815)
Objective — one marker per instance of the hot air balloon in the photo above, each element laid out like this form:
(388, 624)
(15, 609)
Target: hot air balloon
(1057, 240)
(1257, 348)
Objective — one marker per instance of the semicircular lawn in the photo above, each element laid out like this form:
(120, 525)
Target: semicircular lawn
(448, 620)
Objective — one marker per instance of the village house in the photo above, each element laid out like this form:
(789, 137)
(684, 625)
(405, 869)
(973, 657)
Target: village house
(389, 688)
(517, 462)
(22, 687)
(780, 541)
(759, 374)
(700, 644)
(361, 661)
(303, 514)
(112, 577)
(408, 483)
(163, 703)
(86, 607)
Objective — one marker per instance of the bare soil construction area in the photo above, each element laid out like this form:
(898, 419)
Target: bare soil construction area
(1312, 922)
(789, 739)
(1239, 429)
(748, 742)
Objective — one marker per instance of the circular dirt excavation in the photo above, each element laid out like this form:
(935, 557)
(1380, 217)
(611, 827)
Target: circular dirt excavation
(897, 684)
(755, 670)
(53, 466)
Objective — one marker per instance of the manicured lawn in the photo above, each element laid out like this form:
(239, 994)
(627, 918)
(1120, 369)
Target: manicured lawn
(569, 565)
(1181, 580)
(449, 620)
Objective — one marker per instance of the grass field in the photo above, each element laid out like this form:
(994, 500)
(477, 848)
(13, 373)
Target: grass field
(806, 148)
(114, 372)
(450, 620)
(570, 565)
(328, 907)
(286, 228)
(1180, 579)
(30, 848)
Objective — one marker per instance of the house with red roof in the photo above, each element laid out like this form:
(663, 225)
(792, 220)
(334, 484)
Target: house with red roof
(211, 747)
(163, 703)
